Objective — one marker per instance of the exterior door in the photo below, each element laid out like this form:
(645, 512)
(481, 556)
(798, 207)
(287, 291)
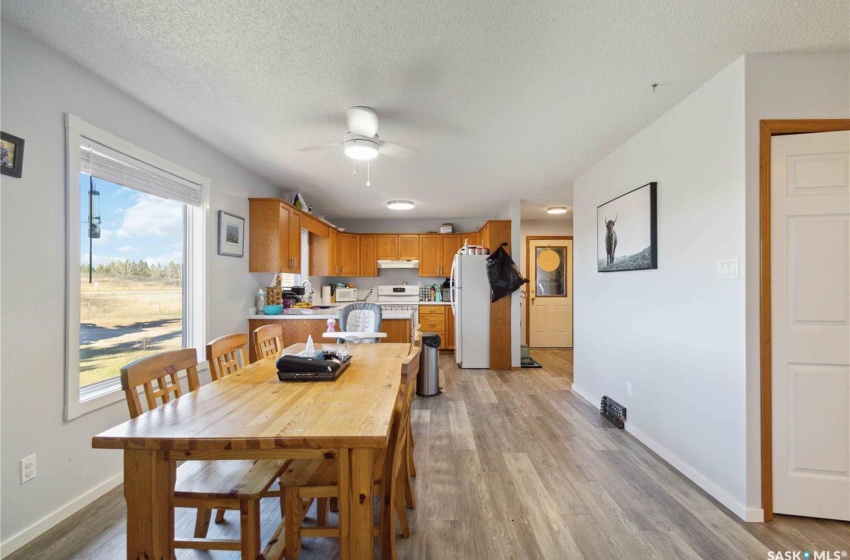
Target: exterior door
(810, 304)
(550, 293)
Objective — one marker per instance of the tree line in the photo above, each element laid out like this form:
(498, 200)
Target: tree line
(137, 268)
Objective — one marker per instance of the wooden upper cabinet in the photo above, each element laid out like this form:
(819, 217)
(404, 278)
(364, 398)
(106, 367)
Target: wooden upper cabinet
(408, 247)
(294, 260)
(368, 255)
(451, 243)
(324, 254)
(268, 224)
(485, 236)
(430, 255)
(398, 246)
(436, 252)
(387, 247)
(473, 238)
(334, 268)
(349, 254)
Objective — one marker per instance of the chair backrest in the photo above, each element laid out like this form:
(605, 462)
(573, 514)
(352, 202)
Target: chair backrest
(360, 317)
(227, 354)
(397, 449)
(163, 369)
(410, 365)
(268, 340)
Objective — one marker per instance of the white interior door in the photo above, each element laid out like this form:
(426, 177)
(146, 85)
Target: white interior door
(810, 285)
(550, 293)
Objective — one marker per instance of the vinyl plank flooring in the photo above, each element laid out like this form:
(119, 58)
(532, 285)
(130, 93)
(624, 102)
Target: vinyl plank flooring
(511, 465)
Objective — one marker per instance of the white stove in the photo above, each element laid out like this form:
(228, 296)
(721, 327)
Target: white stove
(400, 293)
(400, 297)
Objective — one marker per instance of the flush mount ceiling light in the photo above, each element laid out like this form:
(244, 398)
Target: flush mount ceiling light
(360, 147)
(400, 205)
(557, 210)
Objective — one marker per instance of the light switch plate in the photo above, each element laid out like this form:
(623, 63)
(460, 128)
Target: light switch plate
(727, 269)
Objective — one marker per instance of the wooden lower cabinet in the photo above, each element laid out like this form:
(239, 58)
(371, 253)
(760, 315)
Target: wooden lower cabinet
(297, 330)
(439, 319)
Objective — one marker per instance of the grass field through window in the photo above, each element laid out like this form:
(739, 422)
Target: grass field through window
(124, 318)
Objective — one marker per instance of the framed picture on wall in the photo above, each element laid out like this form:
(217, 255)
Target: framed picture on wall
(231, 235)
(626, 231)
(11, 155)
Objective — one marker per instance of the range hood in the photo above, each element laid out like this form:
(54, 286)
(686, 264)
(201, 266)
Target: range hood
(399, 263)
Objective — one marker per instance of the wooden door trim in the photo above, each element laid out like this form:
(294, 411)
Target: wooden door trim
(528, 241)
(768, 129)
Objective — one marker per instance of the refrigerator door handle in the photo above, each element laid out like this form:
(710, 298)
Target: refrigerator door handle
(453, 286)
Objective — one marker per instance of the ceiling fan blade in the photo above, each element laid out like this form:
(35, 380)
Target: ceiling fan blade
(363, 121)
(394, 150)
(335, 145)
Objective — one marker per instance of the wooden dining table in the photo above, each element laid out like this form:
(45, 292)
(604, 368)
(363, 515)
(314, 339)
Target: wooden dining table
(252, 415)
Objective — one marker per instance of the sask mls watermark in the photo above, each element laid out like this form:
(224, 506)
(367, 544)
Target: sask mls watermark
(807, 555)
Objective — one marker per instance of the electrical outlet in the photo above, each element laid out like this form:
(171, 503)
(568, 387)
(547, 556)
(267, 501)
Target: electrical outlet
(628, 389)
(28, 470)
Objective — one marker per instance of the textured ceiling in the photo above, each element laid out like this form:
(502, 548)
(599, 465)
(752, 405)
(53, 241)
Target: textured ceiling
(502, 99)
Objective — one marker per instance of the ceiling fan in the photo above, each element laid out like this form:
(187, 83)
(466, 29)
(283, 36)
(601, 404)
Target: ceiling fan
(361, 142)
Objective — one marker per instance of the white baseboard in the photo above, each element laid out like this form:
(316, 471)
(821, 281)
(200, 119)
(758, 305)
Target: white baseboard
(591, 400)
(15, 542)
(718, 493)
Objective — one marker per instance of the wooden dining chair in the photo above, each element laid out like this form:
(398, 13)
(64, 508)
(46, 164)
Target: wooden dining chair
(203, 485)
(268, 341)
(417, 343)
(308, 480)
(409, 370)
(227, 354)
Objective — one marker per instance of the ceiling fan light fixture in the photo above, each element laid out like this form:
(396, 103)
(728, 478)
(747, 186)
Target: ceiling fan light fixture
(360, 147)
(400, 205)
(556, 210)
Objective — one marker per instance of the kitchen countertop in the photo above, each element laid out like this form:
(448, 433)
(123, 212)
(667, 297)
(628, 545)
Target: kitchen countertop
(324, 314)
(435, 303)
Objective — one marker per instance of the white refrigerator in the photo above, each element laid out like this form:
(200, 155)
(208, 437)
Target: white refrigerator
(470, 292)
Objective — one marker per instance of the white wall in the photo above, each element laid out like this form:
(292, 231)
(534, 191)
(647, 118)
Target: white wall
(38, 87)
(537, 228)
(788, 86)
(688, 343)
(676, 333)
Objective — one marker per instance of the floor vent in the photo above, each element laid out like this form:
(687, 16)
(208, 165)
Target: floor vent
(613, 411)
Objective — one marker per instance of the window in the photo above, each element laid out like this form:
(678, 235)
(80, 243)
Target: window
(136, 265)
(131, 277)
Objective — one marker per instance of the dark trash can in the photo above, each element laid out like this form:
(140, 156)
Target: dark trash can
(428, 378)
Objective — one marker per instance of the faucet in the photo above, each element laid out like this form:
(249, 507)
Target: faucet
(308, 295)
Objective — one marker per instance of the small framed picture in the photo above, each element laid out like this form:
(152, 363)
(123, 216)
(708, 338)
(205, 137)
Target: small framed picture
(231, 235)
(11, 155)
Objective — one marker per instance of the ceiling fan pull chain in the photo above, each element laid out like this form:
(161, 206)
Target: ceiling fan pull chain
(368, 181)
(354, 173)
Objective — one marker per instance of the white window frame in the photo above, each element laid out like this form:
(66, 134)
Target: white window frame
(195, 317)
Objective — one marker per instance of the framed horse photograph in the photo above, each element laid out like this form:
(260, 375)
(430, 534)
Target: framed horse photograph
(627, 231)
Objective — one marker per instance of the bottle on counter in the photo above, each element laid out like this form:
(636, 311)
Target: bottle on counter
(431, 298)
(331, 325)
(261, 302)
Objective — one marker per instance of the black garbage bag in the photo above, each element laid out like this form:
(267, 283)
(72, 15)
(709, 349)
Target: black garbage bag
(503, 274)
